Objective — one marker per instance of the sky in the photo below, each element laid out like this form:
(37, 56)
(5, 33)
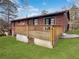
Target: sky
(35, 7)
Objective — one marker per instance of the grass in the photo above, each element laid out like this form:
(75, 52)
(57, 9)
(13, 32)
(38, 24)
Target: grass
(12, 49)
(73, 32)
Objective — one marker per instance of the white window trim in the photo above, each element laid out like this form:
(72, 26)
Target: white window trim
(52, 21)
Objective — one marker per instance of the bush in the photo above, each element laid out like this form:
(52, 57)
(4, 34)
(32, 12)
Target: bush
(2, 33)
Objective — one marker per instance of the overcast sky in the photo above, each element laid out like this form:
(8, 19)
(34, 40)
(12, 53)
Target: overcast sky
(36, 6)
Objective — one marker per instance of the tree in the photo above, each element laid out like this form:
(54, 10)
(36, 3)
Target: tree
(44, 12)
(76, 2)
(9, 9)
(3, 26)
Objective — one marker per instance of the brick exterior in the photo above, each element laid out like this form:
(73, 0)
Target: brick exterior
(47, 32)
(22, 25)
(62, 20)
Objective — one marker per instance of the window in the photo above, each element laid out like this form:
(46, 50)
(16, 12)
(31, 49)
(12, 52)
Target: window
(65, 14)
(49, 21)
(73, 17)
(78, 14)
(35, 21)
(52, 21)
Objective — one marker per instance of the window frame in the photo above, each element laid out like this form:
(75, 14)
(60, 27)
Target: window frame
(49, 21)
(35, 21)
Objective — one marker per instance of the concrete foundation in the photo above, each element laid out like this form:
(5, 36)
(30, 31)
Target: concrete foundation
(43, 43)
(22, 38)
(37, 41)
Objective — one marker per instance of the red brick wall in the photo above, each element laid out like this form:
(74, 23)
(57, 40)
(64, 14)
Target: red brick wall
(61, 20)
(41, 21)
(19, 27)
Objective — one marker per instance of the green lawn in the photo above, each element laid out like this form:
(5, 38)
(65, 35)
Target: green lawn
(73, 32)
(12, 49)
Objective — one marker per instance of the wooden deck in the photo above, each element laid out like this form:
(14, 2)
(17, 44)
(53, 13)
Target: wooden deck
(51, 33)
(40, 34)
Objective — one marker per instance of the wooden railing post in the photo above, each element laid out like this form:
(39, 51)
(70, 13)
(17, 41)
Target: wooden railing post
(52, 35)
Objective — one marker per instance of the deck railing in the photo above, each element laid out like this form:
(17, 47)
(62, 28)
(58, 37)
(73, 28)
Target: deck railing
(45, 32)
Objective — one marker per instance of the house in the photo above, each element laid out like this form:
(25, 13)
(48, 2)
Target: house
(42, 30)
(74, 17)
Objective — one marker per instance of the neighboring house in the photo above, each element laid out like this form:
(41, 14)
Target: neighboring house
(74, 17)
(42, 30)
